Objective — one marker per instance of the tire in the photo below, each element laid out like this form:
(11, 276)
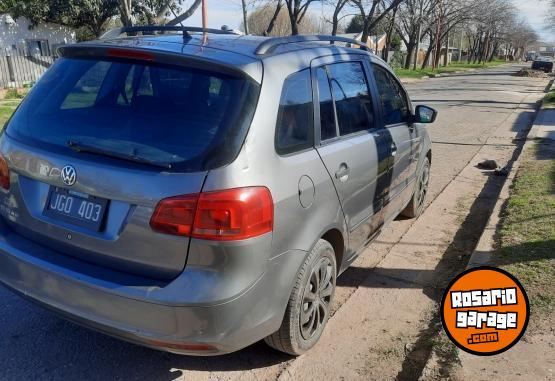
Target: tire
(296, 338)
(418, 200)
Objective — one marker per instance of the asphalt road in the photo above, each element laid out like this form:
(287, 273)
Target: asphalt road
(36, 344)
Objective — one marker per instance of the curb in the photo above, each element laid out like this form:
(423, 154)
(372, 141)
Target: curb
(486, 244)
(447, 75)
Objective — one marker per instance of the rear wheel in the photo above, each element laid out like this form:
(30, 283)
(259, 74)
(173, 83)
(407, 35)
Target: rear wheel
(309, 306)
(416, 204)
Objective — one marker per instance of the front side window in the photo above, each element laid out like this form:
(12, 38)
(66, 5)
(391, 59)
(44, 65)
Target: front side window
(294, 124)
(328, 128)
(350, 91)
(392, 97)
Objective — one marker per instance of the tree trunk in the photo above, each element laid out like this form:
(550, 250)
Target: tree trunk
(410, 52)
(185, 15)
(125, 12)
(428, 54)
(389, 35)
(272, 23)
(245, 21)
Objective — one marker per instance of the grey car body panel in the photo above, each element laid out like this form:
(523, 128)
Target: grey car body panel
(134, 283)
(194, 49)
(127, 242)
(132, 312)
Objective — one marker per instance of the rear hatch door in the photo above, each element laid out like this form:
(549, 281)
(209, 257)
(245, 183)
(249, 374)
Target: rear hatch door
(100, 141)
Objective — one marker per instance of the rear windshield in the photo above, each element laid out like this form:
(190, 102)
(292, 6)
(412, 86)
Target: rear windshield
(187, 118)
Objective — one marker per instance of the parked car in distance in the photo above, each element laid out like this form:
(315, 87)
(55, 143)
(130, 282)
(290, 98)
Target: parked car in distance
(197, 195)
(543, 63)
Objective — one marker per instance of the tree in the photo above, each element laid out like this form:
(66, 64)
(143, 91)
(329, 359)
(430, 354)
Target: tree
(356, 25)
(372, 12)
(266, 20)
(338, 6)
(296, 10)
(154, 12)
(7, 5)
(88, 14)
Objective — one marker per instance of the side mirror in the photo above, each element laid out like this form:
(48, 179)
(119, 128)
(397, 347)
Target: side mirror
(425, 114)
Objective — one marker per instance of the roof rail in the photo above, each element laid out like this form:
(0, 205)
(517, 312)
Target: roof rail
(151, 29)
(271, 44)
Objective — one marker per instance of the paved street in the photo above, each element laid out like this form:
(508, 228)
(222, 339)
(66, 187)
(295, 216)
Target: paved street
(383, 308)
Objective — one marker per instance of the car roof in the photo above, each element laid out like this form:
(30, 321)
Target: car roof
(238, 51)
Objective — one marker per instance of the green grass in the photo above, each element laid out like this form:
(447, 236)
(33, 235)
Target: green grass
(14, 94)
(6, 110)
(527, 236)
(549, 99)
(452, 67)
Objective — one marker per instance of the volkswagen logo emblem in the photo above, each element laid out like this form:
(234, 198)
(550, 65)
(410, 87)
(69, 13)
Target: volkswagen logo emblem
(68, 175)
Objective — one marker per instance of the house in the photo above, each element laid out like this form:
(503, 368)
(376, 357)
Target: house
(376, 43)
(20, 38)
(453, 54)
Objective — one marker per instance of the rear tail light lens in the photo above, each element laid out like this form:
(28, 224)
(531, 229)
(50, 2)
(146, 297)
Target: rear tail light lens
(175, 215)
(4, 174)
(228, 215)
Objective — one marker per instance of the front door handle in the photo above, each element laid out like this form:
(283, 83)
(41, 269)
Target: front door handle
(343, 173)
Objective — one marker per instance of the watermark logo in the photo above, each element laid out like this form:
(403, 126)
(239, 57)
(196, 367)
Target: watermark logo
(485, 311)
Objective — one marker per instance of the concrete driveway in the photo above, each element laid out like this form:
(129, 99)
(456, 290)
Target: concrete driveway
(384, 319)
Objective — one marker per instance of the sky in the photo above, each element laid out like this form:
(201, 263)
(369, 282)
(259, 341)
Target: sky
(228, 12)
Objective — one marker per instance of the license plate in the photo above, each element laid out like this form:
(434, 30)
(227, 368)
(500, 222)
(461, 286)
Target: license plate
(76, 208)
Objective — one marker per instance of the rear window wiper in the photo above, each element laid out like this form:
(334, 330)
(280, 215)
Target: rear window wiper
(81, 147)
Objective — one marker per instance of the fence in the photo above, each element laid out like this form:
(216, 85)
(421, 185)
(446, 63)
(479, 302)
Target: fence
(17, 71)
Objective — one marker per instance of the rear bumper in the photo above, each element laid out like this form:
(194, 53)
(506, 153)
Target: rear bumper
(120, 310)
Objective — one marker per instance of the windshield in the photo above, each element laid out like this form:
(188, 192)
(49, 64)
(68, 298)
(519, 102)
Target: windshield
(190, 119)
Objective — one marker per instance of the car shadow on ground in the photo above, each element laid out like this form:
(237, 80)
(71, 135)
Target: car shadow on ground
(62, 350)
(453, 261)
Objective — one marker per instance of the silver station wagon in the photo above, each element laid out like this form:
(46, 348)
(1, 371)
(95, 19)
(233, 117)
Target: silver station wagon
(196, 191)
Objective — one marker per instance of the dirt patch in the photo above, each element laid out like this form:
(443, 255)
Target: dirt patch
(531, 73)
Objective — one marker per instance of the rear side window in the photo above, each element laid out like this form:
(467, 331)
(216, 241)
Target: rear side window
(294, 124)
(392, 97)
(191, 119)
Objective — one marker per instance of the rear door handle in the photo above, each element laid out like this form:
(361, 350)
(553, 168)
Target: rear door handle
(343, 173)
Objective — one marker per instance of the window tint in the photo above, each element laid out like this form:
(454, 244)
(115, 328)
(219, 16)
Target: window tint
(352, 99)
(84, 92)
(294, 125)
(327, 113)
(192, 119)
(392, 96)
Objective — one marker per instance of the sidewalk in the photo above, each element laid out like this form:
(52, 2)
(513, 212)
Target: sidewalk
(527, 249)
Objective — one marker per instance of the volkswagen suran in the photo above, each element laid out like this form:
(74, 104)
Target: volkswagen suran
(196, 191)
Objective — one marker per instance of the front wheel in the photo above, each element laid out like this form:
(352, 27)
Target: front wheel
(309, 306)
(416, 204)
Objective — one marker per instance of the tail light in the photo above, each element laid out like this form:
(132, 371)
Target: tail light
(4, 174)
(227, 215)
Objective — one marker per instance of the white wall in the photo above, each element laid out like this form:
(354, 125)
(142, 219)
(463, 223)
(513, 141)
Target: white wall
(16, 32)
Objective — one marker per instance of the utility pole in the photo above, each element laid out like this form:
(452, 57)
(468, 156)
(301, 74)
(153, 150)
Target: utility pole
(461, 45)
(446, 58)
(244, 3)
(438, 35)
(419, 37)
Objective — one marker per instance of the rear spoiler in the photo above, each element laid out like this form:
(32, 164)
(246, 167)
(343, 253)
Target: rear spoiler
(99, 50)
